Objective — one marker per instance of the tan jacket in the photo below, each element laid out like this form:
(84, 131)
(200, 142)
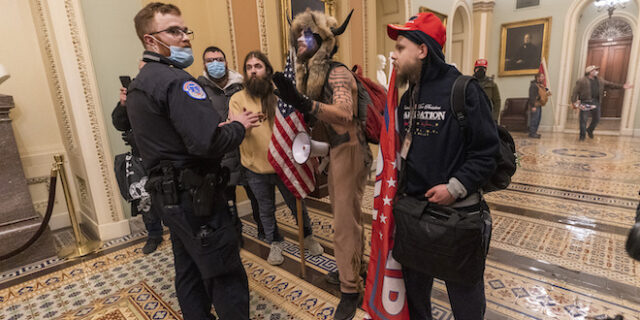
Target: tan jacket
(582, 90)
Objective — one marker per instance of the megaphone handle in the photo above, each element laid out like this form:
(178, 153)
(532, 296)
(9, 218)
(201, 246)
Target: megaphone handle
(323, 164)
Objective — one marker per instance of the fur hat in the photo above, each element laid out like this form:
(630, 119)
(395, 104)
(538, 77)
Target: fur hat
(316, 68)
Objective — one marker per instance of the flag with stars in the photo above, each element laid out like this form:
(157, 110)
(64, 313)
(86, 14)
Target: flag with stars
(298, 178)
(384, 297)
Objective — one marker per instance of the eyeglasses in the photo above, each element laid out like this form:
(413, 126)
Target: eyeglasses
(176, 32)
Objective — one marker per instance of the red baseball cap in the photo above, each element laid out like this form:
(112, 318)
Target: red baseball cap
(426, 22)
(481, 63)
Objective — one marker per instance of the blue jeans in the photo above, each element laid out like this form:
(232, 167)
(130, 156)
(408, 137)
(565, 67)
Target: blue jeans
(595, 118)
(534, 120)
(263, 187)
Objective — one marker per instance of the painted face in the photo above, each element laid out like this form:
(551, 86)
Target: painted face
(306, 43)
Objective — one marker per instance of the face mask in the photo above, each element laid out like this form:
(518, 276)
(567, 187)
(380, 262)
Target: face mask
(216, 69)
(595, 74)
(182, 56)
(480, 73)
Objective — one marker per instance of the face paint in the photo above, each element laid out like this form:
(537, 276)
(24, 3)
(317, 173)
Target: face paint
(309, 40)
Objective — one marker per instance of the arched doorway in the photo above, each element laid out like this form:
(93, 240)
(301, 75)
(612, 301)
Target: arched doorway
(569, 72)
(460, 44)
(609, 47)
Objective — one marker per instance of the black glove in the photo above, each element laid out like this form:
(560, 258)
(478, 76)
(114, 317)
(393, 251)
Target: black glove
(290, 94)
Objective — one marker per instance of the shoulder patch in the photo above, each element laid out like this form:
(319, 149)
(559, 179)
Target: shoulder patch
(194, 90)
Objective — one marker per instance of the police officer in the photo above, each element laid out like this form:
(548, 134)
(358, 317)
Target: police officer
(489, 86)
(181, 139)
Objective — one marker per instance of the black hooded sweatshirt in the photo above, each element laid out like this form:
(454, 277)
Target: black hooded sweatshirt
(440, 150)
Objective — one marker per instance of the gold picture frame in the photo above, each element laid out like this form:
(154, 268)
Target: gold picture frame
(523, 44)
(285, 11)
(443, 17)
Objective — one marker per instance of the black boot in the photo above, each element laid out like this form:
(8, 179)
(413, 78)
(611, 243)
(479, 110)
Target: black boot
(151, 245)
(333, 277)
(348, 305)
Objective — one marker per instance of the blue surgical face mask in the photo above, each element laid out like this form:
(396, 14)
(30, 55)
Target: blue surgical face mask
(183, 57)
(216, 69)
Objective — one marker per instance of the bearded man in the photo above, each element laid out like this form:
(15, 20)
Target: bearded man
(327, 92)
(258, 97)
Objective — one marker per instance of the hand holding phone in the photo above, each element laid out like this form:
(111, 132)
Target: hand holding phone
(125, 81)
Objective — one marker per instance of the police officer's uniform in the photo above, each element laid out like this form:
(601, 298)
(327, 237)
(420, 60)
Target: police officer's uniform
(181, 145)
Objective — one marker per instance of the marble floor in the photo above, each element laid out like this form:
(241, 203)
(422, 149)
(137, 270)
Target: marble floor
(557, 252)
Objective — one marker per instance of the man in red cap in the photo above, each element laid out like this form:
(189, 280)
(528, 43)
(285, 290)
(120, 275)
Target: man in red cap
(489, 87)
(441, 162)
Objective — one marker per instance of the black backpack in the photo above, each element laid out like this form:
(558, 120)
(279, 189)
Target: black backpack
(507, 159)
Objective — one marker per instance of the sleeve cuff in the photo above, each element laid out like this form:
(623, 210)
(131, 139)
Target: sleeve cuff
(456, 188)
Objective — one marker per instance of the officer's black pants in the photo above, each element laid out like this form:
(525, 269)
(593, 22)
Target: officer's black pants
(208, 271)
(229, 293)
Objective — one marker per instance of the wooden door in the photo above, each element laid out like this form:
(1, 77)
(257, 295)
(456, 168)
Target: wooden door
(613, 59)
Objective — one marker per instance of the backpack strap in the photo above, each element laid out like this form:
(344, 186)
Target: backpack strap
(458, 97)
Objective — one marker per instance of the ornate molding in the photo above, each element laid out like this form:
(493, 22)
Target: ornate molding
(612, 29)
(483, 5)
(90, 101)
(61, 102)
(38, 180)
(262, 26)
(365, 37)
(232, 32)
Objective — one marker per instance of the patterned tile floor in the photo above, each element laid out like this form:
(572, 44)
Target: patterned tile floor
(557, 252)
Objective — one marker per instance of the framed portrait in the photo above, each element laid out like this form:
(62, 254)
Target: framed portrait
(443, 17)
(290, 8)
(522, 46)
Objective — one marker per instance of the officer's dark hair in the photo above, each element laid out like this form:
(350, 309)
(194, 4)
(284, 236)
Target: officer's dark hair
(145, 16)
(213, 49)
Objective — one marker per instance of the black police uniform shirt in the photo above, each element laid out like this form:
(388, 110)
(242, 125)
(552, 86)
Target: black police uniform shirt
(172, 117)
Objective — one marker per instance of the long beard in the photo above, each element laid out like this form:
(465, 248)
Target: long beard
(263, 89)
(409, 73)
(258, 87)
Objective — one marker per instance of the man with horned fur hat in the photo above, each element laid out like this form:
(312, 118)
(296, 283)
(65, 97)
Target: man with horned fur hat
(327, 91)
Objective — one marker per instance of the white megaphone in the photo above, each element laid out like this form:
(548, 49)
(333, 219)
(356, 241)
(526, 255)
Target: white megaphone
(304, 148)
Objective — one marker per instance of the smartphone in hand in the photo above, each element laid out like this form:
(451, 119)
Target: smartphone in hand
(125, 81)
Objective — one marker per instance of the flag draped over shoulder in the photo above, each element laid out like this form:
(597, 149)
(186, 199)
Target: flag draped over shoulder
(385, 297)
(543, 69)
(298, 178)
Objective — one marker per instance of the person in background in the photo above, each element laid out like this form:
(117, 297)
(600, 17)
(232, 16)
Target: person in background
(221, 83)
(538, 96)
(587, 96)
(150, 216)
(489, 87)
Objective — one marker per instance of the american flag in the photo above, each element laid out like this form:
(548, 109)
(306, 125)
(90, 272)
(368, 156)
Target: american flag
(385, 294)
(299, 179)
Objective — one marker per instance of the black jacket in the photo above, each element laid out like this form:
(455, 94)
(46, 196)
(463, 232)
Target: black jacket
(121, 122)
(172, 118)
(220, 101)
(439, 150)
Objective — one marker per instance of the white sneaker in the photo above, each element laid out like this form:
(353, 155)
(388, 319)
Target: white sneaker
(275, 255)
(315, 249)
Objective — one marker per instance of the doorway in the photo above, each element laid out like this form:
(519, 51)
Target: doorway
(609, 47)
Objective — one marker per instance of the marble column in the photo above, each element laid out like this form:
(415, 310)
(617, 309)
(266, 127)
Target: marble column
(18, 219)
(483, 18)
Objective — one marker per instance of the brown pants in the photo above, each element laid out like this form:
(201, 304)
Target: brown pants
(349, 168)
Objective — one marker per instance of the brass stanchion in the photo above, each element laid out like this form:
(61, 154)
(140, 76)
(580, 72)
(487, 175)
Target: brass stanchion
(83, 246)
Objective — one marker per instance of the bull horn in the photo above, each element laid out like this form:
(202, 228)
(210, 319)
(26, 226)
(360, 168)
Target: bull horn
(288, 19)
(340, 30)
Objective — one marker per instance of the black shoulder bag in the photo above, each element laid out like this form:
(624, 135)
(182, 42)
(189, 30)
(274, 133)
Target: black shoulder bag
(447, 243)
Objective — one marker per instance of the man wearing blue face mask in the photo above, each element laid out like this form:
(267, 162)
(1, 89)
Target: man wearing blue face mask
(221, 83)
(182, 140)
